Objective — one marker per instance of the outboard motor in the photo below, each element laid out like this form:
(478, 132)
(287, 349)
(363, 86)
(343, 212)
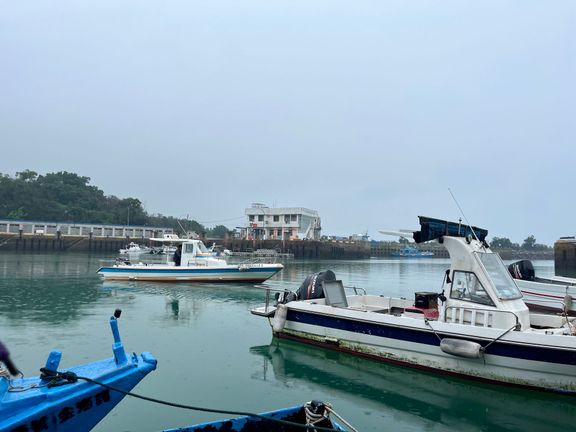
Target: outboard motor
(522, 270)
(311, 288)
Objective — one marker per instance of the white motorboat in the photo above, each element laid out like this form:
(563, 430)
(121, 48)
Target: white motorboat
(134, 248)
(555, 294)
(478, 327)
(196, 264)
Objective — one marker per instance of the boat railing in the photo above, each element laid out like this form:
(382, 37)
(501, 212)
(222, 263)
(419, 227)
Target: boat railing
(197, 262)
(357, 290)
(475, 316)
(268, 290)
(260, 260)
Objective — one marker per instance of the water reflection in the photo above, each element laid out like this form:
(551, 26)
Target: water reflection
(200, 291)
(413, 396)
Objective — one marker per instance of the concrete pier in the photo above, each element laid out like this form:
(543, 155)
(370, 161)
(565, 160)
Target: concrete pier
(304, 249)
(565, 257)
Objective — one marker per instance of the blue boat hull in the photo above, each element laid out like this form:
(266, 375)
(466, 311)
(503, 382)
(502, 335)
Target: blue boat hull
(70, 407)
(72, 400)
(256, 424)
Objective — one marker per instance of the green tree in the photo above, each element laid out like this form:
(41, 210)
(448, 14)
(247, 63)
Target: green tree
(501, 242)
(69, 197)
(529, 243)
(19, 213)
(219, 231)
(27, 175)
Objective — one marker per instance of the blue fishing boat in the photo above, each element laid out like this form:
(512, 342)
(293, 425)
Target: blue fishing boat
(315, 414)
(72, 400)
(411, 252)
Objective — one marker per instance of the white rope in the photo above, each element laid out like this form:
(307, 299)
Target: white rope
(348, 425)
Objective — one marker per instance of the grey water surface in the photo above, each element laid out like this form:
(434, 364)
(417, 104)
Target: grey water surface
(213, 353)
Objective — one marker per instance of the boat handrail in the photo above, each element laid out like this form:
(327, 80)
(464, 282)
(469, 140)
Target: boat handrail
(261, 260)
(356, 289)
(459, 311)
(268, 290)
(197, 262)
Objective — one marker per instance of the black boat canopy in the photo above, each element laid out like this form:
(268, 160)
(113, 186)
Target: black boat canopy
(432, 229)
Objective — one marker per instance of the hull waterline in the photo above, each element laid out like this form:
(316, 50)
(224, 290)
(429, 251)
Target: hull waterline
(230, 274)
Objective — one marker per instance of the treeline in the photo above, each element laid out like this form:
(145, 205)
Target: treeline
(68, 197)
(529, 244)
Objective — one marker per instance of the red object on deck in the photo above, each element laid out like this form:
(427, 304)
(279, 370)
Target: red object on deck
(431, 313)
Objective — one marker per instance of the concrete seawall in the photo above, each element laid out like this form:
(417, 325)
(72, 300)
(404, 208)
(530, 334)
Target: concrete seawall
(564, 255)
(300, 249)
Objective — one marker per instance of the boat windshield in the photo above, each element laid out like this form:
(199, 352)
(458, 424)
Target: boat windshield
(202, 247)
(505, 286)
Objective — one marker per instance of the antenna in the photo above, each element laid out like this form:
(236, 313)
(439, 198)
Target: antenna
(182, 228)
(463, 215)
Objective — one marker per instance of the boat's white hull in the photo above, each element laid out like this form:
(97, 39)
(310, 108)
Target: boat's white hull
(164, 273)
(550, 297)
(513, 359)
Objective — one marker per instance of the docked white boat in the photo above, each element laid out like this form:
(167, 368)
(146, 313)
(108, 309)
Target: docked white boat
(196, 264)
(478, 327)
(134, 249)
(554, 294)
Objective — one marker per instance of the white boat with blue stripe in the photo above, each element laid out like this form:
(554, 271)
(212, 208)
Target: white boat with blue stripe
(195, 263)
(478, 327)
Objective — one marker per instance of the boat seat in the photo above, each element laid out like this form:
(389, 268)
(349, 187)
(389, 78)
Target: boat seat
(334, 293)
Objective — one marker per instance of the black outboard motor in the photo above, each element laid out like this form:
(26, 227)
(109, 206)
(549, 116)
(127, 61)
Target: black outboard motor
(311, 288)
(522, 270)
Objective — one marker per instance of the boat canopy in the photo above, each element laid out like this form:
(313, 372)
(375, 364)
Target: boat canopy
(432, 229)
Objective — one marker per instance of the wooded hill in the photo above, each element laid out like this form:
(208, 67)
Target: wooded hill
(68, 197)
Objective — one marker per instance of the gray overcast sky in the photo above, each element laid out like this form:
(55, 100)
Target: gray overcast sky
(367, 111)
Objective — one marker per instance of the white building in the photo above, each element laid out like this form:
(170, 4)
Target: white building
(288, 223)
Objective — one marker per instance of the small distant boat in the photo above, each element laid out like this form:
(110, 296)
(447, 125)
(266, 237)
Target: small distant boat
(555, 294)
(312, 413)
(65, 401)
(411, 252)
(196, 264)
(406, 251)
(134, 248)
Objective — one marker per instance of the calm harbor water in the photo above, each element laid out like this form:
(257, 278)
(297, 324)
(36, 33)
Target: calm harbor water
(212, 352)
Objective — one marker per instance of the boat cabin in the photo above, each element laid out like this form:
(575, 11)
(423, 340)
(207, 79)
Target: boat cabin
(195, 252)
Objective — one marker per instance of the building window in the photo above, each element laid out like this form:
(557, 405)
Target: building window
(260, 218)
(286, 218)
(251, 218)
(276, 218)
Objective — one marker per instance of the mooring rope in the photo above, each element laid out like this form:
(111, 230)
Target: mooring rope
(71, 377)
